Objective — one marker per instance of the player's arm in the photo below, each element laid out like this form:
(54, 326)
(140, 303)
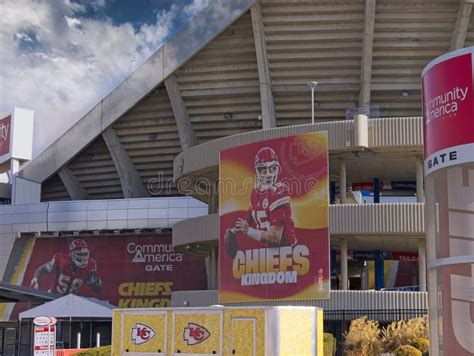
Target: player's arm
(94, 280)
(46, 268)
(273, 235)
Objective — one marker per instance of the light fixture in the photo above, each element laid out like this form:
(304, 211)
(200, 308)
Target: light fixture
(364, 154)
(405, 93)
(313, 86)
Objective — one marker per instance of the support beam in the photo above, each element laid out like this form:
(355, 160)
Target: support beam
(74, 188)
(367, 51)
(461, 25)
(420, 190)
(213, 205)
(266, 95)
(213, 274)
(422, 264)
(344, 266)
(187, 137)
(130, 179)
(342, 181)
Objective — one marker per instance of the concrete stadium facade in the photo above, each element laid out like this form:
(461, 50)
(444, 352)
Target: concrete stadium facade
(238, 73)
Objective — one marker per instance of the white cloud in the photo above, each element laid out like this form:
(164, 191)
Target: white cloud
(194, 7)
(60, 64)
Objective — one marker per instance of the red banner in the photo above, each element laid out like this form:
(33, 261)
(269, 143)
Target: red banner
(449, 181)
(5, 133)
(274, 222)
(127, 271)
(448, 106)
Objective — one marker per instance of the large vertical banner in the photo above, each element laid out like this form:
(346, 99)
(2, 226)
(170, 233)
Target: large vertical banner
(274, 221)
(448, 107)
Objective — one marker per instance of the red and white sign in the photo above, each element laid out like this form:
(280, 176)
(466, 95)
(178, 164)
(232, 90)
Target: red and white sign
(5, 134)
(369, 186)
(44, 320)
(142, 333)
(44, 336)
(449, 179)
(448, 109)
(194, 334)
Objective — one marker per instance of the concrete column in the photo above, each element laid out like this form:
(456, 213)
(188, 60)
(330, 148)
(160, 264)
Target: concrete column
(422, 264)
(361, 131)
(344, 269)
(342, 181)
(213, 274)
(420, 190)
(15, 166)
(213, 205)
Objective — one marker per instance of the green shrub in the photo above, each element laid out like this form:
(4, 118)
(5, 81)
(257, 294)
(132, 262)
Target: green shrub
(420, 343)
(407, 350)
(98, 351)
(329, 344)
(363, 338)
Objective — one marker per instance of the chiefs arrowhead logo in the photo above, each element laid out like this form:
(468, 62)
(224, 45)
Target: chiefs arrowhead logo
(142, 333)
(194, 334)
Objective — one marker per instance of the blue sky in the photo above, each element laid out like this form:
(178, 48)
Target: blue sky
(60, 57)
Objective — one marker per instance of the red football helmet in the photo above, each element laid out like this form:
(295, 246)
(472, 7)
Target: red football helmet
(267, 168)
(79, 253)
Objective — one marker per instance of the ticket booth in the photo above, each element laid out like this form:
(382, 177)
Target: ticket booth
(241, 331)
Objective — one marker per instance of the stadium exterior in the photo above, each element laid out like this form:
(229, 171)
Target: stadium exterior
(239, 73)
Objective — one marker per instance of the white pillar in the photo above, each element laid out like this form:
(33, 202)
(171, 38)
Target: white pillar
(342, 181)
(422, 264)
(420, 190)
(344, 270)
(15, 166)
(361, 131)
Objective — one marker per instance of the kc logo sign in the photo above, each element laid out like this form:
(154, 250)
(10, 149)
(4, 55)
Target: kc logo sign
(194, 334)
(142, 333)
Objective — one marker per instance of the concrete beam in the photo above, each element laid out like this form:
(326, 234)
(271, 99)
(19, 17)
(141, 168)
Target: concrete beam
(74, 188)
(130, 179)
(461, 25)
(266, 95)
(187, 137)
(367, 51)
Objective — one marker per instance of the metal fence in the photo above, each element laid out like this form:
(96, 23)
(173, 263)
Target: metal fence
(337, 322)
(8, 336)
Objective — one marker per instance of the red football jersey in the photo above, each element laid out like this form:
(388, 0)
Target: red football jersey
(272, 208)
(69, 278)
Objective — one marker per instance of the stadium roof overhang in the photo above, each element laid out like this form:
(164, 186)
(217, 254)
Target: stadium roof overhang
(244, 65)
(11, 294)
